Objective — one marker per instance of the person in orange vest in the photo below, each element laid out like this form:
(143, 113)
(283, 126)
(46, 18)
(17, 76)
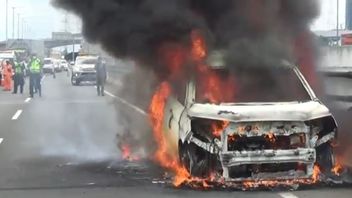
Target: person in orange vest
(7, 74)
(1, 64)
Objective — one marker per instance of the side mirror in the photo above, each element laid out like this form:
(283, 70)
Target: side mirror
(72, 63)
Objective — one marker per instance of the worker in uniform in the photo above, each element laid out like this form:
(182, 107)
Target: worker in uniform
(35, 71)
(1, 66)
(101, 76)
(7, 75)
(18, 77)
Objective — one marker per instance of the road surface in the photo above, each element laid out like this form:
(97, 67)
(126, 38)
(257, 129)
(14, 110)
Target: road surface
(62, 145)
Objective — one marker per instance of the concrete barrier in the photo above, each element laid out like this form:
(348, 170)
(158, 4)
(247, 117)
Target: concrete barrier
(336, 65)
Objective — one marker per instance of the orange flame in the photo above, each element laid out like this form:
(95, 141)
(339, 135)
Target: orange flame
(199, 49)
(213, 88)
(338, 168)
(127, 154)
(174, 57)
(270, 137)
(219, 127)
(162, 156)
(316, 174)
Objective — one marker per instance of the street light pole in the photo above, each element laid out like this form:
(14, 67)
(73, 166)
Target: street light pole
(337, 18)
(7, 17)
(18, 26)
(23, 24)
(73, 48)
(13, 22)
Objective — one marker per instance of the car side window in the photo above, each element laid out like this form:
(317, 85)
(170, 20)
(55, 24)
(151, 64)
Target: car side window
(180, 91)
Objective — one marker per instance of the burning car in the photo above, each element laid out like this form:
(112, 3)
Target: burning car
(270, 130)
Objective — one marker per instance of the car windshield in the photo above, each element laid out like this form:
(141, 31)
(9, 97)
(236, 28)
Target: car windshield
(48, 62)
(247, 85)
(87, 61)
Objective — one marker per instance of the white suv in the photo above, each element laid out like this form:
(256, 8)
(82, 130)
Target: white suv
(84, 70)
(269, 136)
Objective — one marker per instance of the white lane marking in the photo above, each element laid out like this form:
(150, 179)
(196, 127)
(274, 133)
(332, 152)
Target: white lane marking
(27, 100)
(139, 110)
(287, 195)
(44, 76)
(17, 115)
(1, 140)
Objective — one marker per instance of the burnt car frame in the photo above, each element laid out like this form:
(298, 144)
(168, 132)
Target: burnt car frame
(262, 140)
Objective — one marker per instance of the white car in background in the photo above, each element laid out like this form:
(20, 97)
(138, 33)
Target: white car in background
(84, 70)
(64, 65)
(57, 65)
(48, 66)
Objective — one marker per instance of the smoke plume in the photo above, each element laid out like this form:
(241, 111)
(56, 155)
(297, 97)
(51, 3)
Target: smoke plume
(253, 33)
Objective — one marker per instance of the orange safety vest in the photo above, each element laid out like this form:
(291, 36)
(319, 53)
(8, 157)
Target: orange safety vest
(7, 71)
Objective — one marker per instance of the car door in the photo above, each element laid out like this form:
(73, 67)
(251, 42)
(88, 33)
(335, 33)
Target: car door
(174, 108)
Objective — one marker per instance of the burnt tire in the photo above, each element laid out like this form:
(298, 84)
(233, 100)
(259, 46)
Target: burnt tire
(195, 159)
(326, 158)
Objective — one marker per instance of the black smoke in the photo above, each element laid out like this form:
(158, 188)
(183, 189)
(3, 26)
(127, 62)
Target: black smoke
(136, 29)
(253, 32)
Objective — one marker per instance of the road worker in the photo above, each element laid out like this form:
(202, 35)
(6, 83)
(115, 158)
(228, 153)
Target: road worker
(18, 77)
(7, 75)
(101, 76)
(35, 70)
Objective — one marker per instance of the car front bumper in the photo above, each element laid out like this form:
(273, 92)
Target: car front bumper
(48, 70)
(238, 158)
(84, 76)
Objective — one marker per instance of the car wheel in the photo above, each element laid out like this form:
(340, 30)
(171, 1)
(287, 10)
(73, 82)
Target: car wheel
(195, 160)
(74, 82)
(326, 158)
(183, 155)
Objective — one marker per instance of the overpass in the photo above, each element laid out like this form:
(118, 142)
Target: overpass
(44, 45)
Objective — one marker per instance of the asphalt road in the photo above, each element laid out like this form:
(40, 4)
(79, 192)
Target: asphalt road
(63, 145)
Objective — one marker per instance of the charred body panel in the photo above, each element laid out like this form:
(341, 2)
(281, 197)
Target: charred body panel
(276, 140)
(255, 146)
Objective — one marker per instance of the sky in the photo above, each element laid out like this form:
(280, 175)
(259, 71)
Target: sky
(42, 19)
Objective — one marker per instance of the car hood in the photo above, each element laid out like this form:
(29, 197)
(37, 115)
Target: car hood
(86, 66)
(251, 112)
(48, 65)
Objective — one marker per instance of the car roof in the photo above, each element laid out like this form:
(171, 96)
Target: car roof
(87, 57)
(217, 60)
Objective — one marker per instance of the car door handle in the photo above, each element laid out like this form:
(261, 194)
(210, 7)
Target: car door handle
(171, 118)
